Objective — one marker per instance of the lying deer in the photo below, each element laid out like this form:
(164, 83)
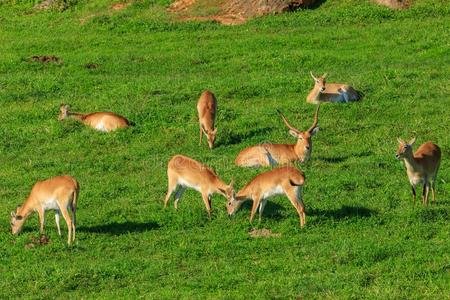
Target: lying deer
(102, 121)
(206, 107)
(330, 92)
(421, 167)
(281, 181)
(58, 193)
(185, 172)
(273, 154)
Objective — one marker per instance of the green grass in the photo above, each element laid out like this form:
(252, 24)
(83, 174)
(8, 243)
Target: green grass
(363, 237)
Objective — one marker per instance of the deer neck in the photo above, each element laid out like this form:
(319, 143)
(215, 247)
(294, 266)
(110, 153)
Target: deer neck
(314, 95)
(25, 210)
(219, 186)
(410, 163)
(76, 116)
(208, 122)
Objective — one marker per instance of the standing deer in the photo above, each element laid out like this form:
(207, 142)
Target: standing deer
(185, 172)
(102, 121)
(273, 154)
(58, 193)
(421, 167)
(330, 92)
(206, 107)
(281, 181)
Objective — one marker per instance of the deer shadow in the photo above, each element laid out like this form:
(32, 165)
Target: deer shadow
(271, 210)
(344, 212)
(339, 159)
(116, 228)
(232, 138)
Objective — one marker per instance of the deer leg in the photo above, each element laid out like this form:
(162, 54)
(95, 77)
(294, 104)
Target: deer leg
(201, 134)
(170, 189)
(74, 220)
(413, 188)
(68, 220)
(262, 205)
(57, 222)
(256, 200)
(295, 196)
(427, 185)
(206, 201)
(424, 191)
(433, 190)
(178, 196)
(41, 214)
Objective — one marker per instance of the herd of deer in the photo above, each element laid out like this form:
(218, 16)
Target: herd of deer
(60, 193)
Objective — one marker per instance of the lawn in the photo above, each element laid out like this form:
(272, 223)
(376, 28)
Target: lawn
(363, 237)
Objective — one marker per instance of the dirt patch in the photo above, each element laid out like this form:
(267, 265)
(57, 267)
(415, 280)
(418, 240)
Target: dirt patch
(233, 12)
(60, 5)
(46, 59)
(41, 241)
(91, 66)
(255, 233)
(395, 4)
(119, 6)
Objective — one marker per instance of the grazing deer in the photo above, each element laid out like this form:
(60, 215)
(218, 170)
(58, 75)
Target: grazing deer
(58, 193)
(273, 154)
(102, 121)
(330, 92)
(185, 172)
(284, 180)
(421, 167)
(206, 107)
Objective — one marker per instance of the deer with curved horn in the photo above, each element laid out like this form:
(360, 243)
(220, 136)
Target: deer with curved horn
(330, 92)
(273, 154)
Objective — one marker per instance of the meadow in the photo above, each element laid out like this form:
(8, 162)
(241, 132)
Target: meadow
(363, 237)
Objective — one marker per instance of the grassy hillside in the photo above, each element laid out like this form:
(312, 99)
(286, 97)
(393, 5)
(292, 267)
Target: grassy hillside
(363, 237)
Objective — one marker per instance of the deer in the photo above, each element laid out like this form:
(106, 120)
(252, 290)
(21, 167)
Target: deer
(58, 193)
(286, 180)
(184, 172)
(101, 121)
(421, 166)
(273, 154)
(206, 107)
(330, 92)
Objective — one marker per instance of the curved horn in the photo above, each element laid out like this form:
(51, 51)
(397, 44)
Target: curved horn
(287, 123)
(316, 119)
(312, 75)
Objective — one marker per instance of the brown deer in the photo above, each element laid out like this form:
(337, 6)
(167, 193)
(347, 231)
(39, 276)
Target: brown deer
(206, 107)
(58, 193)
(185, 172)
(280, 181)
(421, 166)
(330, 92)
(102, 121)
(273, 154)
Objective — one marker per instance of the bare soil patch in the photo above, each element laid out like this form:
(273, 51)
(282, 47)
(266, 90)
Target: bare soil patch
(395, 4)
(255, 233)
(119, 6)
(46, 59)
(233, 12)
(41, 241)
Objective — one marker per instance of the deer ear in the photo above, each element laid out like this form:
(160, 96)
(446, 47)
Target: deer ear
(13, 214)
(293, 133)
(324, 75)
(412, 141)
(400, 141)
(315, 130)
(214, 131)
